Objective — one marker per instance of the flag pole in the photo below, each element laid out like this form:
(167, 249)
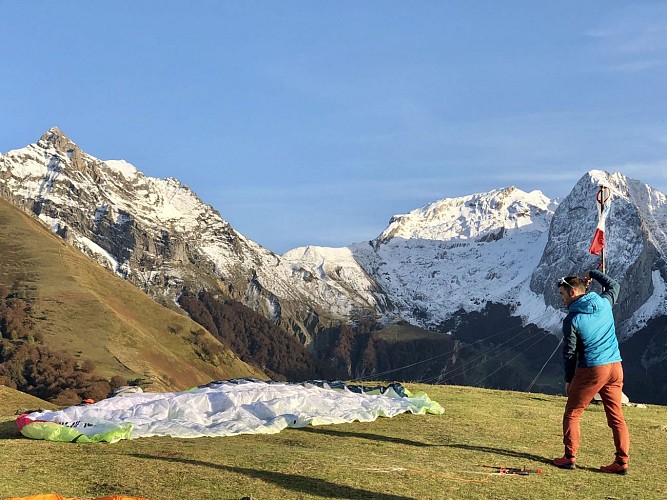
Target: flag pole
(597, 245)
(601, 202)
(602, 199)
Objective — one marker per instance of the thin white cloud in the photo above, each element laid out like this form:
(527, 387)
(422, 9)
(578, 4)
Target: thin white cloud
(597, 33)
(536, 176)
(650, 172)
(635, 66)
(421, 189)
(634, 41)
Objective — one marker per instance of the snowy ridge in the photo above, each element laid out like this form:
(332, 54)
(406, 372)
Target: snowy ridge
(460, 253)
(126, 169)
(651, 206)
(656, 305)
(452, 254)
(339, 268)
(473, 216)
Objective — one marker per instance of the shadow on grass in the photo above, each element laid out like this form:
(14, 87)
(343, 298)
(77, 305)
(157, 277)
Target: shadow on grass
(515, 454)
(592, 469)
(364, 435)
(500, 451)
(293, 482)
(8, 430)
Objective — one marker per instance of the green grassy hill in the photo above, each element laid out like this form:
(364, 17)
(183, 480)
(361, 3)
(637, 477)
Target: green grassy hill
(406, 457)
(87, 311)
(14, 402)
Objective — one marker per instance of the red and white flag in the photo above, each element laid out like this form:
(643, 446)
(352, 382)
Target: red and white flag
(598, 238)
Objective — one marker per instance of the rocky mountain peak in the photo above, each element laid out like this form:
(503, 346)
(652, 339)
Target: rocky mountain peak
(634, 241)
(57, 138)
(63, 152)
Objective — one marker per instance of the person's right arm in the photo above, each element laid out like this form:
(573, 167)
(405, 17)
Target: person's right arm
(610, 286)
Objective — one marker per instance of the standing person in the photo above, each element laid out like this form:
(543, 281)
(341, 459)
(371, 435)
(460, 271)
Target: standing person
(589, 335)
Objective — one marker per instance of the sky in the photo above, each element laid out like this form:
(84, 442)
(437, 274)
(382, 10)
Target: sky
(314, 122)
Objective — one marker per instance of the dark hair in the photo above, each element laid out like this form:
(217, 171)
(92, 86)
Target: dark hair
(574, 282)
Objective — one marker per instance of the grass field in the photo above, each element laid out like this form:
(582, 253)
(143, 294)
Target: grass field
(408, 456)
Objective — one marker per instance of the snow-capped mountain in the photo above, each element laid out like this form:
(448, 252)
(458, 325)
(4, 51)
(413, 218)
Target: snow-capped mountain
(459, 253)
(158, 234)
(454, 255)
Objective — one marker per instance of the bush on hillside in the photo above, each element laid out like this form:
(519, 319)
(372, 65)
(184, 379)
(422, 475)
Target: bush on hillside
(28, 365)
(37, 370)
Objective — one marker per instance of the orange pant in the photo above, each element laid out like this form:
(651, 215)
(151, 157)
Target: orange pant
(608, 381)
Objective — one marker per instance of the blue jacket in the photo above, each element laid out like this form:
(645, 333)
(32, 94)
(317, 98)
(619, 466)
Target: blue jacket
(589, 334)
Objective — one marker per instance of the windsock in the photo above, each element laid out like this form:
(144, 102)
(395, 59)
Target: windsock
(604, 205)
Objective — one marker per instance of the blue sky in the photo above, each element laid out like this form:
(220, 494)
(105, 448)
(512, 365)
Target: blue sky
(313, 122)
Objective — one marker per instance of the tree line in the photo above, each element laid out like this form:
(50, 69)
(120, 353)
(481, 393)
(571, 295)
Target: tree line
(344, 351)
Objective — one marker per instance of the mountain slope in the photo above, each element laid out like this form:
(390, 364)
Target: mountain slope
(506, 246)
(81, 308)
(13, 402)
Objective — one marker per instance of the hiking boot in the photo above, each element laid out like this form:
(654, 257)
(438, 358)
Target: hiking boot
(564, 462)
(615, 468)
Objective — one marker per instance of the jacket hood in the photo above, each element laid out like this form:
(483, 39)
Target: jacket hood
(586, 304)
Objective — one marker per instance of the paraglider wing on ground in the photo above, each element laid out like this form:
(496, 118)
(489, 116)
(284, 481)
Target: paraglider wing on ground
(223, 408)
